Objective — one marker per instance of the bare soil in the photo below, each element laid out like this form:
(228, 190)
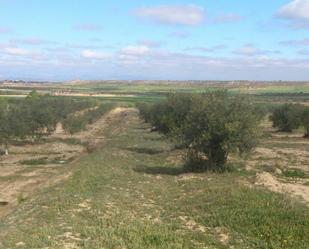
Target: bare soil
(277, 153)
(271, 182)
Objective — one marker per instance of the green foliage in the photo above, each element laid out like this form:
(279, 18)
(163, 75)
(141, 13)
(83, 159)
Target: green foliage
(76, 123)
(39, 161)
(180, 213)
(33, 95)
(167, 116)
(144, 110)
(287, 117)
(295, 173)
(21, 198)
(305, 121)
(35, 115)
(217, 125)
(43, 161)
(210, 125)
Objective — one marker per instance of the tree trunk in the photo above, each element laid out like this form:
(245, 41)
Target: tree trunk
(307, 133)
(217, 157)
(6, 149)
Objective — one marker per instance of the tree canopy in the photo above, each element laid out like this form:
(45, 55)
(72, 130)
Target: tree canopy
(210, 125)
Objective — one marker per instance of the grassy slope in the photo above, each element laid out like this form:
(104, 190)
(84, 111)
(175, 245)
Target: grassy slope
(129, 194)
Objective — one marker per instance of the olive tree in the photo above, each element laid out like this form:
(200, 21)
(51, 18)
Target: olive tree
(217, 125)
(305, 121)
(167, 116)
(4, 129)
(210, 126)
(287, 117)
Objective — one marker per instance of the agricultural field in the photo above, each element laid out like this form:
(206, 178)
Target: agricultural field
(133, 91)
(106, 172)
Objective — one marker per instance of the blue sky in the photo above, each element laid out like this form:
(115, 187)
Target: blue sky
(199, 40)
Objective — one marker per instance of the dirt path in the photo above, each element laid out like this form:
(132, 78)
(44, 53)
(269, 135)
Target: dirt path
(19, 181)
(93, 131)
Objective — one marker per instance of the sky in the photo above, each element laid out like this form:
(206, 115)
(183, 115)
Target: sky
(154, 40)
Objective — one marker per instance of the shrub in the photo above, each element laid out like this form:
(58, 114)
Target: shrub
(287, 117)
(145, 110)
(305, 121)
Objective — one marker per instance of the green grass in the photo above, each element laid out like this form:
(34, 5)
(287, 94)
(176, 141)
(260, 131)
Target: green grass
(44, 161)
(294, 173)
(165, 87)
(21, 198)
(131, 193)
(39, 161)
(268, 94)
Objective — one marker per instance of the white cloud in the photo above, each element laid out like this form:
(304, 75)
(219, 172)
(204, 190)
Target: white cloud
(30, 41)
(248, 50)
(16, 51)
(96, 55)
(135, 50)
(82, 46)
(88, 27)
(189, 15)
(167, 64)
(228, 18)
(304, 42)
(149, 43)
(207, 49)
(180, 34)
(297, 9)
(23, 54)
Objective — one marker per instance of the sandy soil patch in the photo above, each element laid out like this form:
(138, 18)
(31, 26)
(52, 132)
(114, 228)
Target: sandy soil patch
(269, 181)
(265, 152)
(191, 176)
(280, 152)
